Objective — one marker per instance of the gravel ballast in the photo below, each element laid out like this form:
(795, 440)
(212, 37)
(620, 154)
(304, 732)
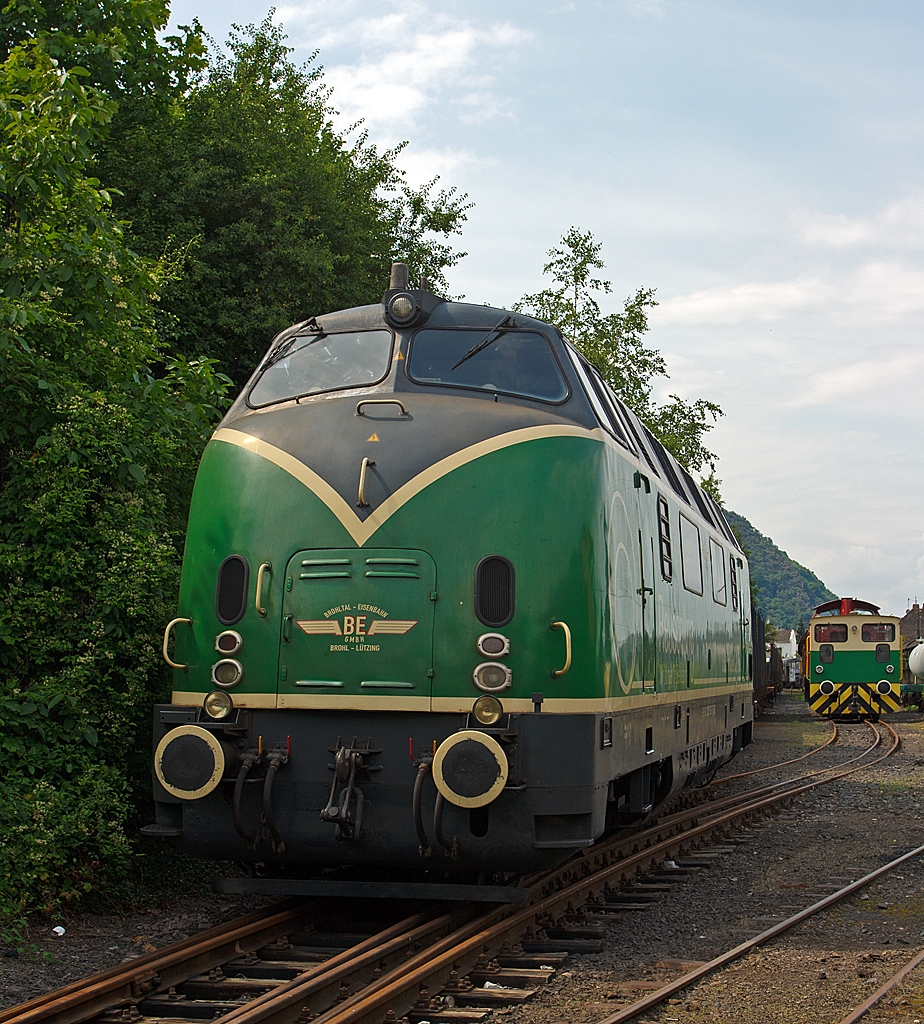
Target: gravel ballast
(814, 973)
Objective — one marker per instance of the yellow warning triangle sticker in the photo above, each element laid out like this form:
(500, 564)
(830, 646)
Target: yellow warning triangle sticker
(399, 356)
(374, 437)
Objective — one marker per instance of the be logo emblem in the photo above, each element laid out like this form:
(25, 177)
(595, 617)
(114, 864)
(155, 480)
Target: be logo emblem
(356, 625)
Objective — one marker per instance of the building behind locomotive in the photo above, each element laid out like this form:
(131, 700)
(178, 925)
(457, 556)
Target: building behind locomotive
(445, 603)
(853, 660)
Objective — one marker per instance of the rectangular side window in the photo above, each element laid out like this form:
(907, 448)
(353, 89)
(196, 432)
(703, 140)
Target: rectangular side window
(717, 558)
(586, 374)
(664, 539)
(691, 556)
(733, 566)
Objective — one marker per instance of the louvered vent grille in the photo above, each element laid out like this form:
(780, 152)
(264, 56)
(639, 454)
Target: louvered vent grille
(231, 592)
(494, 591)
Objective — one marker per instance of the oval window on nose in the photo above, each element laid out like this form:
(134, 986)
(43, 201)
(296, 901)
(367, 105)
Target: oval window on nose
(231, 590)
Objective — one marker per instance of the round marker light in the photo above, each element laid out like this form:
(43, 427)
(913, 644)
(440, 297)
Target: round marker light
(217, 704)
(492, 677)
(402, 308)
(493, 645)
(827, 687)
(229, 642)
(890, 668)
(487, 710)
(227, 673)
(819, 669)
(884, 686)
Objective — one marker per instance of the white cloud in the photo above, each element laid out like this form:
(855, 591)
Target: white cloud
(859, 381)
(645, 8)
(898, 226)
(405, 61)
(875, 292)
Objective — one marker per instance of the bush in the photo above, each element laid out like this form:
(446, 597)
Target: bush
(100, 434)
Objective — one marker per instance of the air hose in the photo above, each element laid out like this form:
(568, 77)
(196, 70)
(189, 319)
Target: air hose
(247, 763)
(274, 762)
(425, 850)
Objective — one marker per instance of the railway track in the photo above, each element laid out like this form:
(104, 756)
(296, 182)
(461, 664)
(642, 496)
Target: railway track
(296, 962)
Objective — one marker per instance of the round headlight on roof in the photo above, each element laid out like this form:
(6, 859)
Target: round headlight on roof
(402, 308)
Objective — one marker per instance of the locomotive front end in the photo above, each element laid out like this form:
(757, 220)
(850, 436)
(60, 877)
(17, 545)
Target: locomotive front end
(372, 571)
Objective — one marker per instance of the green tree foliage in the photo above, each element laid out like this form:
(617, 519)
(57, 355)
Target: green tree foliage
(118, 42)
(786, 591)
(614, 343)
(99, 437)
(278, 214)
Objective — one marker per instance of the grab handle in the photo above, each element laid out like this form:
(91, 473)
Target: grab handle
(167, 658)
(361, 498)
(265, 567)
(561, 671)
(381, 401)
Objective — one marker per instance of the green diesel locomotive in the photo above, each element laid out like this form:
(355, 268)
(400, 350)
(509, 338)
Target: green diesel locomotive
(446, 605)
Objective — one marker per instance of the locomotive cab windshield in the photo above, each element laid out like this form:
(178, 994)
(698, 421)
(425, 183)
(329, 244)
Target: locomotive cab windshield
(315, 363)
(506, 360)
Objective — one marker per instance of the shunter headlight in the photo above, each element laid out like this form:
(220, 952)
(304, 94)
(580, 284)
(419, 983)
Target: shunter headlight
(827, 687)
(402, 308)
(884, 686)
(492, 677)
(227, 673)
(218, 704)
(487, 710)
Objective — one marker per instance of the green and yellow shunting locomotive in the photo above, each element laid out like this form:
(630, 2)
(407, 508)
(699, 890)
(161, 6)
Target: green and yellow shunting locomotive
(446, 604)
(852, 660)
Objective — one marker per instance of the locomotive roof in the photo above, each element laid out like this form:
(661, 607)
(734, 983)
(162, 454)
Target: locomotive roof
(846, 606)
(445, 313)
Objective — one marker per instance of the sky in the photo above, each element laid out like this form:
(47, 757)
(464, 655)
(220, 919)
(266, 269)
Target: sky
(759, 162)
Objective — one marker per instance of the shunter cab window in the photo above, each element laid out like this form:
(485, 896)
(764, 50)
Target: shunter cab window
(502, 360)
(834, 632)
(310, 364)
(826, 654)
(883, 653)
(690, 556)
(878, 632)
(733, 566)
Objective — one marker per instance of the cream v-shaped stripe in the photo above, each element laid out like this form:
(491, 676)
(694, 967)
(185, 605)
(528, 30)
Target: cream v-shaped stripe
(361, 530)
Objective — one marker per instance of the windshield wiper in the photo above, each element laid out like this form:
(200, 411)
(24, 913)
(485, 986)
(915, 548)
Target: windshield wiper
(286, 347)
(492, 336)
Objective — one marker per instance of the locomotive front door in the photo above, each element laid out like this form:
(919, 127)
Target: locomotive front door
(357, 629)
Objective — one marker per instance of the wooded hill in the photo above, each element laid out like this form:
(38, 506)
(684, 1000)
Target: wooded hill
(786, 591)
